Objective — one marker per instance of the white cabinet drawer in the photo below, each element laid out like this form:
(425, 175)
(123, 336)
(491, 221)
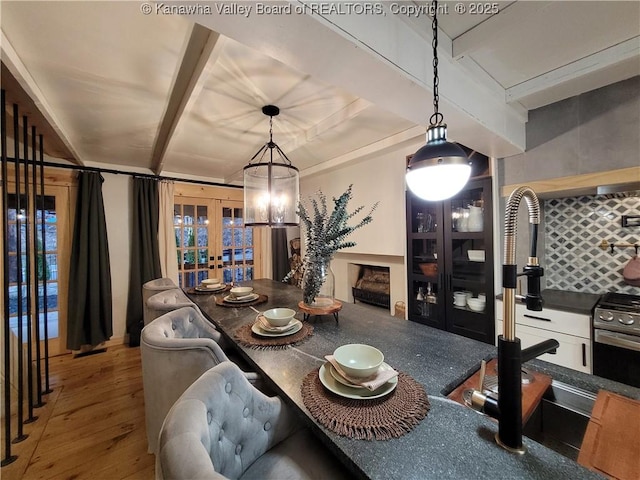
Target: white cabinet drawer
(552, 320)
(574, 352)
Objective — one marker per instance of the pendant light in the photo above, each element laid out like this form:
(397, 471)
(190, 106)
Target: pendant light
(271, 184)
(439, 169)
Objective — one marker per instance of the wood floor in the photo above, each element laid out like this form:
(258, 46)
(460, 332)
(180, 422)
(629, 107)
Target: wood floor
(92, 426)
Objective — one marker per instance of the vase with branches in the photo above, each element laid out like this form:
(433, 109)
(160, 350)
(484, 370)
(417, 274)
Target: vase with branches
(325, 233)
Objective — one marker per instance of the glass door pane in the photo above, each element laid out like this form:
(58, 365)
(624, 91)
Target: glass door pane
(45, 267)
(191, 225)
(236, 244)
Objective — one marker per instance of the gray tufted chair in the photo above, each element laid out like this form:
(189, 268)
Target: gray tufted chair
(151, 288)
(224, 428)
(166, 301)
(176, 348)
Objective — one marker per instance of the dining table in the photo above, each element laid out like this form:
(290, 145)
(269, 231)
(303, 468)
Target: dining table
(451, 441)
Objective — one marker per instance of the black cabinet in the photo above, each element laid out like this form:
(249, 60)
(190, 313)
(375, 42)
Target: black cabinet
(450, 259)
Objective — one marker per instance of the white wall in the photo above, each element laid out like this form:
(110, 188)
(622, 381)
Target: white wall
(117, 195)
(378, 178)
(375, 179)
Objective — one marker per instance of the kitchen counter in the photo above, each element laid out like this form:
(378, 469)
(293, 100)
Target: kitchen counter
(452, 441)
(574, 302)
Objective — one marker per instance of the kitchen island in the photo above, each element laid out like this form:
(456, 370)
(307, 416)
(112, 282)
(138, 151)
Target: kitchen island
(452, 441)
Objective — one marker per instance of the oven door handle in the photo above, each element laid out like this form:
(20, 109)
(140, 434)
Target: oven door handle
(618, 340)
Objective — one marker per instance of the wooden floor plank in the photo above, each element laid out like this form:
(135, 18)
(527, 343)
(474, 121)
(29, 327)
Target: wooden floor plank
(93, 424)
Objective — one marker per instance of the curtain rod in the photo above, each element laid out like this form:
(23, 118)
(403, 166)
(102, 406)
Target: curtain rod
(132, 174)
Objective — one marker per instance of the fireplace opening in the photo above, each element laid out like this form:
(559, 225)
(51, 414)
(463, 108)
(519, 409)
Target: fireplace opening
(372, 286)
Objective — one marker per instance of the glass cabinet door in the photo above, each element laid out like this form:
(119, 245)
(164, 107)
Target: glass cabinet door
(425, 264)
(450, 262)
(468, 260)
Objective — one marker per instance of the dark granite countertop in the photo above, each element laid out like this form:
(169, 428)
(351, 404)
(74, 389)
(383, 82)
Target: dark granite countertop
(574, 302)
(452, 441)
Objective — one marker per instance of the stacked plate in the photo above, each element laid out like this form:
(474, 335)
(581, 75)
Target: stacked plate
(358, 371)
(250, 297)
(336, 383)
(263, 328)
(241, 295)
(212, 288)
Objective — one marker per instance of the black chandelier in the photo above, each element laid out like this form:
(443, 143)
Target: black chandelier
(271, 184)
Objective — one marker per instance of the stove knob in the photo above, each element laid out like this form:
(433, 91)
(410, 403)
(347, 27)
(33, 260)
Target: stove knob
(606, 316)
(626, 319)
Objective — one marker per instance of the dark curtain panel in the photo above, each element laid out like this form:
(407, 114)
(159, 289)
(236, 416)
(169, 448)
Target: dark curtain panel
(90, 314)
(145, 256)
(279, 253)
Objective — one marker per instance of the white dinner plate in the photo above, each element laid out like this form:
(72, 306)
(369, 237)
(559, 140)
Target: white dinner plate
(212, 290)
(255, 328)
(247, 298)
(334, 373)
(338, 388)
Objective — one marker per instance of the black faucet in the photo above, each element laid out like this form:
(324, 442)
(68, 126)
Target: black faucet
(508, 408)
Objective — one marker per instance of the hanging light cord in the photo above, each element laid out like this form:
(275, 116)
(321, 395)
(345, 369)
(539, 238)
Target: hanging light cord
(437, 118)
(271, 144)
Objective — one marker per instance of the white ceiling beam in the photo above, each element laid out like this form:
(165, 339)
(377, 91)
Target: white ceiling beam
(412, 135)
(598, 61)
(508, 19)
(13, 62)
(197, 59)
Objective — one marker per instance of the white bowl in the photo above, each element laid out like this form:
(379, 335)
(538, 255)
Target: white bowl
(460, 298)
(279, 317)
(358, 360)
(240, 291)
(211, 281)
(476, 255)
(476, 304)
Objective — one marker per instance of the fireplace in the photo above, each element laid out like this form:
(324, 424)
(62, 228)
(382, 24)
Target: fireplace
(372, 286)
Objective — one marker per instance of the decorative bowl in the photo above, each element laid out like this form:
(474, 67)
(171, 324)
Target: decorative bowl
(240, 291)
(358, 360)
(429, 269)
(279, 317)
(211, 283)
(476, 304)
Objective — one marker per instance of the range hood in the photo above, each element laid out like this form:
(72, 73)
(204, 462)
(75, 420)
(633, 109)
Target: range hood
(620, 190)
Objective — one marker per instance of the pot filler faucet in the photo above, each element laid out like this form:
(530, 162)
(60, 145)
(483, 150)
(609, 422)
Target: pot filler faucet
(508, 408)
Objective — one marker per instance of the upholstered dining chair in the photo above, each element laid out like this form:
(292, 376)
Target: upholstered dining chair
(152, 287)
(224, 428)
(176, 348)
(166, 301)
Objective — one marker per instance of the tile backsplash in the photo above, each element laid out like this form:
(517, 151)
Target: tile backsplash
(574, 228)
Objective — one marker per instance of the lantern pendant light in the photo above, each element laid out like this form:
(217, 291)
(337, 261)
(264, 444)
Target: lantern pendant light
(271, 184)
(439, 169)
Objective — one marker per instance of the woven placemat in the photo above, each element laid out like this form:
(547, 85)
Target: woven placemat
(261, 299)
(382, 418)
(247, 338)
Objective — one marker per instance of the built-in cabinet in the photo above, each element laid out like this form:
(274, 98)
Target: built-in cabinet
(571, 330)
(449, 251)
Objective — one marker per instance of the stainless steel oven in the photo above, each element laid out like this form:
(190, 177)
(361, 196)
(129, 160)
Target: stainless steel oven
(616, 338)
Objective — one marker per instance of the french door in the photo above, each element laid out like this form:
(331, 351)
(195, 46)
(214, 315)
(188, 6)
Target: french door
(49, 268)
(212, 241)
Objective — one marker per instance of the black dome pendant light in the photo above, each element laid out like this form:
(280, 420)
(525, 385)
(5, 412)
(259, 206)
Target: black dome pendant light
(439, 169)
